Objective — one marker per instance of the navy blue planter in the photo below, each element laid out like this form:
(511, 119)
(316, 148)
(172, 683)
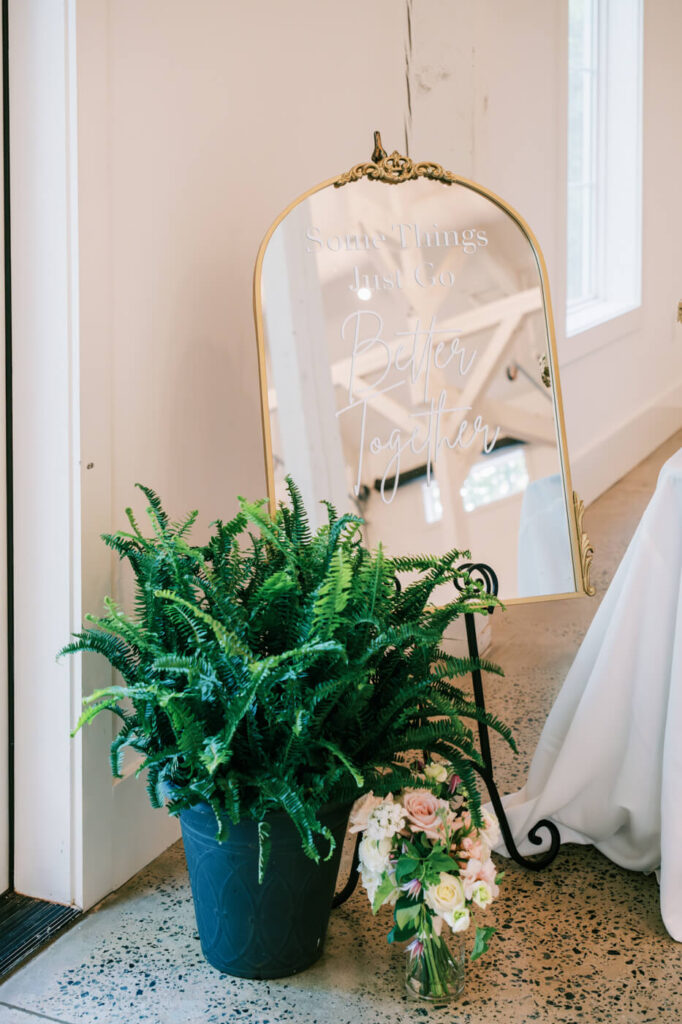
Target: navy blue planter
(260, 931)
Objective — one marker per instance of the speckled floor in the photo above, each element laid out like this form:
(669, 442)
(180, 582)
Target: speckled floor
(581, 941)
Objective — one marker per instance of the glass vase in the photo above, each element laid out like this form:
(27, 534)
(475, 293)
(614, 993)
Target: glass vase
(434, 970)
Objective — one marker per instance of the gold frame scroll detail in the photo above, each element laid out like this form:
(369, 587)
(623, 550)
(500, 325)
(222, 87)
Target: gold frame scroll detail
(394, 169)
(586, 549)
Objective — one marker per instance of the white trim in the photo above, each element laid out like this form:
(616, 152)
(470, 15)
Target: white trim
(77, 867)
(78, 835)
(616, 329)
(606, 460)
(588, 315)
(46, 445)
(616, 222)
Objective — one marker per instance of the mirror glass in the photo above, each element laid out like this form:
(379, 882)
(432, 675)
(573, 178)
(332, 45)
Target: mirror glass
(410, 376)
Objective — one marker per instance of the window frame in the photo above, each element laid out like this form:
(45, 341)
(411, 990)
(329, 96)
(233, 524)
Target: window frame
(615, 241)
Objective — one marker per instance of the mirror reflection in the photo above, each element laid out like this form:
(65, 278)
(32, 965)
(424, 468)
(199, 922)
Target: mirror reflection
(409, 377)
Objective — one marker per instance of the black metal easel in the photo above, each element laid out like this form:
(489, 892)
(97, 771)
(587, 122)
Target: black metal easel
(488, 578)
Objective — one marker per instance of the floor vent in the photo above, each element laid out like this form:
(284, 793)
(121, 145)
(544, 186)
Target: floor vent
(26, 925)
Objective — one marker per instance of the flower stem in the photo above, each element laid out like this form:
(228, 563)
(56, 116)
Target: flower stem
(436, 986)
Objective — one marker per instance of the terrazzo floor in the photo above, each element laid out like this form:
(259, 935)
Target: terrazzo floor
(581, 941)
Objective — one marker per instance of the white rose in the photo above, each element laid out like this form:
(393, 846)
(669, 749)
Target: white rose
(437, 772)
(373, 855)
(446, 897)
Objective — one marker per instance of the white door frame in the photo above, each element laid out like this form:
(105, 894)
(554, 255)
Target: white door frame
(77, 835)
(46, 499)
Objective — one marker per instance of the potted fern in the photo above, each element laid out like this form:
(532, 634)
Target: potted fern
(269, 678)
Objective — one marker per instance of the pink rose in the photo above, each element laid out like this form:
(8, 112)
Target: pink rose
(426, 813)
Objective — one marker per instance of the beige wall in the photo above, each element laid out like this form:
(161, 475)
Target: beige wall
(196, 125)
(195, 130)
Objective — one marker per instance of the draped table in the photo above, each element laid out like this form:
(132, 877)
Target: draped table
(608, 767)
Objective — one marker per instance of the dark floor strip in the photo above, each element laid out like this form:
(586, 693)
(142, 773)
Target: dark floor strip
(26, 925)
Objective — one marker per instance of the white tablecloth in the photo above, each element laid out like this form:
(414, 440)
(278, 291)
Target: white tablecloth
(608, 766)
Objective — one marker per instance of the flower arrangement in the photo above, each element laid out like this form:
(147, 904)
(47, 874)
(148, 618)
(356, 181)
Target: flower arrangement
(422, 852)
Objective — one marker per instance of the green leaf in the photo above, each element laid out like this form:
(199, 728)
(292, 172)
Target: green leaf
(481, 942)
(406, 915)
(215, 754)
(440, 861)
(333, 595)
(385, 889)
(406, 869)
(397, 934)
(345, 761)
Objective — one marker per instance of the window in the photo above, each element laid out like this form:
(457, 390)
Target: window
(603, 275)
(494, 478)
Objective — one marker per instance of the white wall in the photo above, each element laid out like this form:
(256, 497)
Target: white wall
(489, 102)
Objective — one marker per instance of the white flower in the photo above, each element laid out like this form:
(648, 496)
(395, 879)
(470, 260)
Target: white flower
(470, 875)
(459, 920)
(482, 894)
(437, 772)
(447, 901)
(371, 882)
(445, 897)
(477, 871)
(373, 855)
(385, 820)
(361, 811)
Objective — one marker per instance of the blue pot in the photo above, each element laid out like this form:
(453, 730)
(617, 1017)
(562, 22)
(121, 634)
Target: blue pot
(260, 931)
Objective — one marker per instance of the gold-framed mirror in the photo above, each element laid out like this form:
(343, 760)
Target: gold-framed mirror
(409, 372)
